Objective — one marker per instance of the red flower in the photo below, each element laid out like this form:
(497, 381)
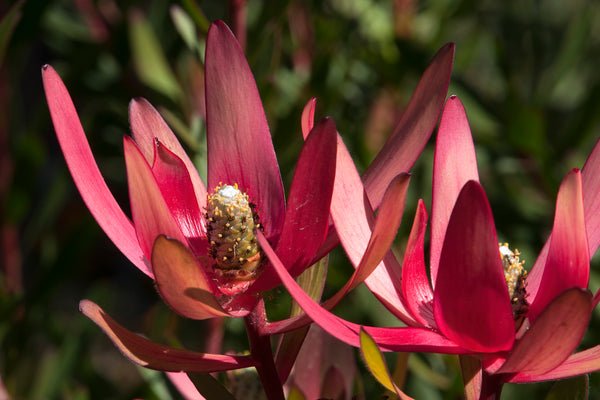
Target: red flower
(203, 255)
(467, 308)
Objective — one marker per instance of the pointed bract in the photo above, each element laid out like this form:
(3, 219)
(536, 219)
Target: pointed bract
(471, 302)
(414, 129)
(553, 336)
(176, 187)
(584, 362)
(353, 218)
(415, 284)
(156, 356)
(181, 281)
(454, 165)
(591, 198)
(86, 174)
(147, 126)
(238, 140)
(567, 263)
(150, 213)
(390, 339)
(307, 211)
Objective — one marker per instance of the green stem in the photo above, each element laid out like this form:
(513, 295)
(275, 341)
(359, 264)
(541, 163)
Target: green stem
(260, 348)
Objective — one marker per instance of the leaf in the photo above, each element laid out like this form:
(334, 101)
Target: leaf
(576, 388)
(7, 26)
(210, 387)
(149, 60)
(185, 27)
(376, 364)
(374, 360)
(312, 280)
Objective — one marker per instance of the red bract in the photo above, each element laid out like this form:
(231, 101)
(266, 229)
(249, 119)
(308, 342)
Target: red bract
(167, 239)
(385, 182)
(467, 308)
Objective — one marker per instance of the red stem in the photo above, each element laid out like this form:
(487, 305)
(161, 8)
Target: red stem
(260, 348)
(491, 386)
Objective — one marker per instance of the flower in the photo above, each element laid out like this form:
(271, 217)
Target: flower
(180, 235)
(467, 308)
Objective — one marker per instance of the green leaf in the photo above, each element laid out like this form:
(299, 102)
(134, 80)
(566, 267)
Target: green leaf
(7, 26)
(149, 60)
(312, 280)
(576, 388)
(185, 27)
(375, 361)
(295, 394)
(156, 382)
(196, 14)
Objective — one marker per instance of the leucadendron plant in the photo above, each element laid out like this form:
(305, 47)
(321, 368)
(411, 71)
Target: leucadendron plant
(507, 325)
(209, 248)
(199, 245)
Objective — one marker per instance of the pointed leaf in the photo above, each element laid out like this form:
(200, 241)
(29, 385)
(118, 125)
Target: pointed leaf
(307, 212)
(386, 227)
(181, 282)
(415, 284)
(354, 218)
(591, 198)
(389, 339)
(296, 394)
(156, 356)
(308, 117)
(150, 62)
(86, 174)
(553, 336)
(454, 165)
(567, 263)
(584, 362)
(238, 139)
(414, 129)
(146, 126)
(151, 215)
(471, 303)
(176, 187)
(376, 364)
(312, 282)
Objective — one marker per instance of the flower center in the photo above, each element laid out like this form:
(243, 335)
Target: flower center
(515, 275)
(230, 224)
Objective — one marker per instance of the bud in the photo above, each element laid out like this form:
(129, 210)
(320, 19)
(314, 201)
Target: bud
(515, 274)
(230, 224)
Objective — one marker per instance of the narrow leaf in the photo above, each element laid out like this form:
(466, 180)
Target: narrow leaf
(157, 356)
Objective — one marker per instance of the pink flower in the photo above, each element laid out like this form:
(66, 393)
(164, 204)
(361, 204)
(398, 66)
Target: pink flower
(526, 336)
(202, 253)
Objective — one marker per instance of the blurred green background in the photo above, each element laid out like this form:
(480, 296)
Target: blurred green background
(526, 71)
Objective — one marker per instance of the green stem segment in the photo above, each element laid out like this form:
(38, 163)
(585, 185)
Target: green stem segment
(260, 348)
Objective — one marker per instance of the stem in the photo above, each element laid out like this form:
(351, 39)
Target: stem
(479, 385)
(491, 386)
(260, 348)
